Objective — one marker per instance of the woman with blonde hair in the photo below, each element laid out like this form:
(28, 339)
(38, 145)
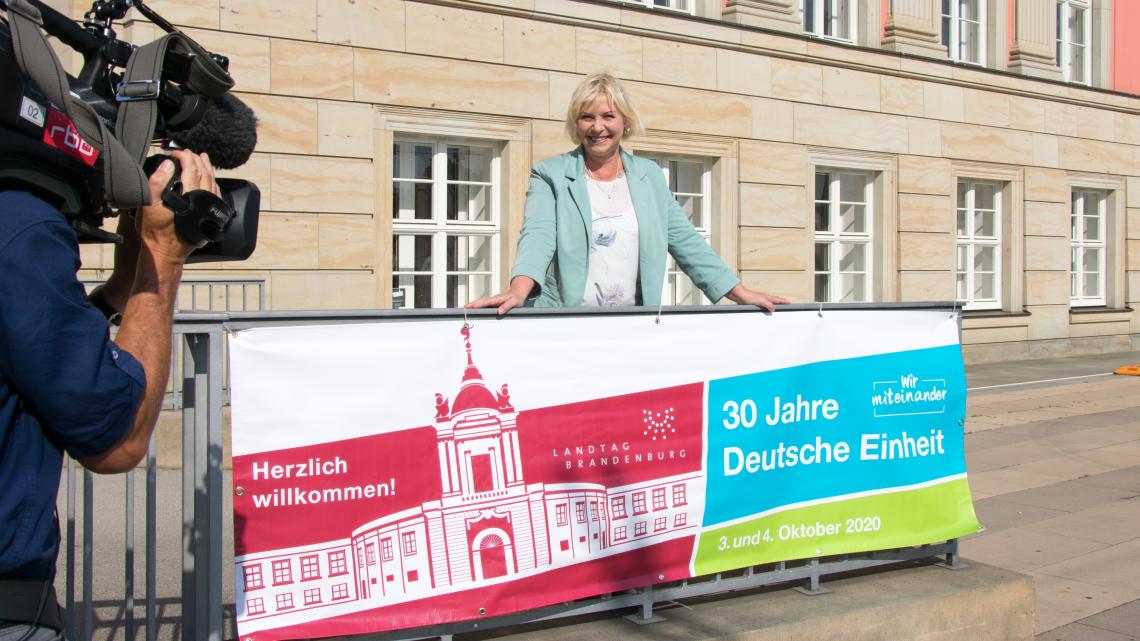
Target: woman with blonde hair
(600, 220)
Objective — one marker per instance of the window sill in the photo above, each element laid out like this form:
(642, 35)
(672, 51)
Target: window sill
(1099, 314)
(992, 313)
(994, 318)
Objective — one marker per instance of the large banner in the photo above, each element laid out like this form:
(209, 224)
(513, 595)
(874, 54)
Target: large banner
(398, 474)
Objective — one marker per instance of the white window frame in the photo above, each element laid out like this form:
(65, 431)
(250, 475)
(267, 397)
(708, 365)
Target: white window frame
(970, 242)
(1065, 9)
(952, 34)
(678, 289)
(835, 237)
(439, 228)
(1078, 245)
(820, 25)
(688, 7)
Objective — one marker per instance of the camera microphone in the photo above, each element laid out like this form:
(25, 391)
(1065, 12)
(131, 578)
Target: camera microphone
(227, 132)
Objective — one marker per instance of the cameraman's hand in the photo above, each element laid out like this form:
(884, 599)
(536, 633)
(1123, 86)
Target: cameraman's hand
(156, 221)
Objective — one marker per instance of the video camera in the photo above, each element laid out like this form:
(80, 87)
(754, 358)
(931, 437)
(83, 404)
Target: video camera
(80, 142)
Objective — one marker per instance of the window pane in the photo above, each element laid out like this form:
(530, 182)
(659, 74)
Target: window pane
(809, 15)
(985, 224)
(469, 203)
(984, 288)
(961, 224)
(822, 217)
(852, 288)
(411, 160)
(1092, 228)
(985, 196)
(852, 257)
(411, 201)
(822, 288)
(1090, 261)
(468, 163)
(411, 253)
(963, 252)
(962, 287)
(971, 42)
(411, 291)
(462, 289)
(984, 259)
(822, 185)
(685, 176)
(1077, 65)
(963, 191)
(852, 188)
(1091, 286)
(469, 253)
(691, 205)
(853, 219)
(822, 257)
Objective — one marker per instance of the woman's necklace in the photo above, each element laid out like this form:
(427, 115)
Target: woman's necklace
(608, 193)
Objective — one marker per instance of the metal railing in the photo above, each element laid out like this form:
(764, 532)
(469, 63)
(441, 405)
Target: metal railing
(203, 543)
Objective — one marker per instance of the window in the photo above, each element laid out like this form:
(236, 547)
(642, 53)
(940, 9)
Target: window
(834, 19)
(1074, 34)
(337, 563)
(370, 550)
(254, 606)
(312, 595)
(639, 529)
(690, 180)
(979, 246)
(659, 498)
(639, 503)
(964, 30)
(1089, 249)
(284, 601)
(340, 591)
(659, 523)
(561, 513)
(310, 568)
(252, 574)
(683, 6)
(386, 549)
(679, 495)
(282, 572)
(593, 510)
(680, 520)
(619, 533)
(617, 507)
(843, 236)
(409, 539)
(580, 511)
(445, 222)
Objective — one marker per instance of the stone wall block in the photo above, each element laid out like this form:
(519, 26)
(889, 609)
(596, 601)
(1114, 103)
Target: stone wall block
(772, 120)
(1047, 287)
(256, 170)
(772, 206)
(285, 241)
(773, 163)
(1027, 114)
(344, 129)
(926, 286)
(1095, 156)
(311, 69)
(322, 184)
(284, 125)
(943, 102)
(677, 63)
(920, 212)
(1048, 322)
(681, 109)
(322, 290)
(1060, 119)
(1046, 150)
(1096, 123)
(926, 251)
(346, 241)
(296, 19)
(375, 24)
(903, 96)
(924, 137)
(741, 72)
(1046, 185)
(986, 108)
(1046, 219)
(795, 286)
(987, 144)
(530, 43)
(419, 81)
(450, 32)
(767, 248)
(851, 89)
(618, 53)
(249, 56)
(924, 175)
(797, 81)
(1046, 253)
(832, 127)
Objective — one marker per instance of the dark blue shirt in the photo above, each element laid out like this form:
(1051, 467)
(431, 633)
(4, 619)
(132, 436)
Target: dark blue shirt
(64, 386)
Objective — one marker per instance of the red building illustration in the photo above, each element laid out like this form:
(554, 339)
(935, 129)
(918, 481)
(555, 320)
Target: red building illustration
(488, 525)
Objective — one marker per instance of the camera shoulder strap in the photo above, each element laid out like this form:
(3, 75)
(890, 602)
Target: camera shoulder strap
(123, 177)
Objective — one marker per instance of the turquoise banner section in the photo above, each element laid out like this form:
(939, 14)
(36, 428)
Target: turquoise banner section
(833, 428)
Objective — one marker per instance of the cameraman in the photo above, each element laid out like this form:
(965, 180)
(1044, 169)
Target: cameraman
(64, 385)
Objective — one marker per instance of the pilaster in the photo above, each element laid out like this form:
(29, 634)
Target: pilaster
(781, 15)
(914, 26)
(1034, 48)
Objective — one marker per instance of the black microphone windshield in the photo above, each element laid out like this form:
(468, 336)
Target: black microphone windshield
(227, 132)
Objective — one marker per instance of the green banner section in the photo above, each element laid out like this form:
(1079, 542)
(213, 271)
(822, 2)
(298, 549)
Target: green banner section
(889, 520)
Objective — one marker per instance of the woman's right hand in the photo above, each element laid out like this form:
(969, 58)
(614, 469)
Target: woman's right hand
(521, 287)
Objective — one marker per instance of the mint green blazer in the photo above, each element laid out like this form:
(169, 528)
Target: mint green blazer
(554, 244)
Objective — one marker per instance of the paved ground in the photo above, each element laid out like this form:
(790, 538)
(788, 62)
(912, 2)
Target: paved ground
(1055, 472)
(1054, 466)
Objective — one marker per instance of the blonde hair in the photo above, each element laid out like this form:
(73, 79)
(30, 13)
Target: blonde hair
(593, 87)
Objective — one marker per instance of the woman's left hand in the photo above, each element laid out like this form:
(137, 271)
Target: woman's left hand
(744, 296)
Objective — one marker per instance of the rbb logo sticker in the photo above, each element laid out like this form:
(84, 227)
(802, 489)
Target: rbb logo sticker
(61, 134)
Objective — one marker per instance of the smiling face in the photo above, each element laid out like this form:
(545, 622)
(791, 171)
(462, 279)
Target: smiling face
(600, 128)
